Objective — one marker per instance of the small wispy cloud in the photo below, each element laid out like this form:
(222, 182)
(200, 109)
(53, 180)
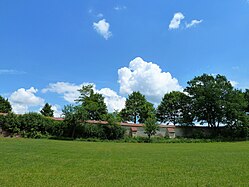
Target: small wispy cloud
(103, 28)
(176, 21)
(93, 13)
(11, 72)
(100, 15)
(193, 23)
(118, 7)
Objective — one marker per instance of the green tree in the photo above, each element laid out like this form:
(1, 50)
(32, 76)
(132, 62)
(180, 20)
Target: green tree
(213, 100)
(235, 109)
(47, 110)
(74, 116)
(5, 106)
(246, 95)
(175, 107)
(137, 108)
(151, 126)
(93, 103)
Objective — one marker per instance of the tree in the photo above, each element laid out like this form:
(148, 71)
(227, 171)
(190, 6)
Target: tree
(137, 108)
(47, 110)
(5, 106)
(73, 117)
(93, 103)
(175, 107)
(151, 126)
(213, 100)
(235, 109)
(246, 95)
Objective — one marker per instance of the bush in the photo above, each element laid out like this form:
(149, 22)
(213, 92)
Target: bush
(10, 123)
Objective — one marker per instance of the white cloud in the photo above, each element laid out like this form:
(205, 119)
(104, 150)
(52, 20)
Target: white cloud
(70, 93)
(112, 99)
(68, 90)
(118, 7)
(176, 21)
(10, 72)
(193, 23)
(148, 78)
(100, 15)
(233, 83)
(57, 110)
(102, 27)
(21, 100)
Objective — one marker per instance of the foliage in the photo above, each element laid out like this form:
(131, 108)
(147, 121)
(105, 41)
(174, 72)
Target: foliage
(47, 110)
(93, 103)
(176, 108)
(5, 106)
(137, 108)
(30, 125)
(214, 100)
(151, 126)
(74, 116)
(246, 95)
(10, 123)
(34, 125)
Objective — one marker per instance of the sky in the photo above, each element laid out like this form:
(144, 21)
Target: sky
(50, 48)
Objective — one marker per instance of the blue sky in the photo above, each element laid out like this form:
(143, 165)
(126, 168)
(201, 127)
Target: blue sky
(49, 48)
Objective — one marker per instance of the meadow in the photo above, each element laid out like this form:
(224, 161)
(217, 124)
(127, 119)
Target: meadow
(31, 162)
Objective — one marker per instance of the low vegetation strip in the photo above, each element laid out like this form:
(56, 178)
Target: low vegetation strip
(31, 162)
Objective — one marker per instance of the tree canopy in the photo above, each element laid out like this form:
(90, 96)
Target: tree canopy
(246, 95)
(176, 108)
(214, 100)
(93, 103)
(137, 108)
(47, 110)
(5, 106)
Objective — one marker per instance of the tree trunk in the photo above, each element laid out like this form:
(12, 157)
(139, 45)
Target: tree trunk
(73, 133)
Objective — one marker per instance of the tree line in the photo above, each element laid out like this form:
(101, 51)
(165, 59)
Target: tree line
(207, 99)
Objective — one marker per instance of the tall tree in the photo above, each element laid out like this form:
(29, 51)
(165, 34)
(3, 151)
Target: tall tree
(175, 107)
(93, 103)
(137, 108)
(47, 110)
(5, 106)
(213, 97)
(73, 117)
(150, 126)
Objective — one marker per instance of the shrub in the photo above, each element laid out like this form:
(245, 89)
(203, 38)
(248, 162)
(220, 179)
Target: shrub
(10, 123)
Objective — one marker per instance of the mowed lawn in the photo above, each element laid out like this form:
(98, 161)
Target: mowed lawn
(29, 162)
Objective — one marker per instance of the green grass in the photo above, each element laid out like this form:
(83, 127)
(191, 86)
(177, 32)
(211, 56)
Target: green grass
(29, 162)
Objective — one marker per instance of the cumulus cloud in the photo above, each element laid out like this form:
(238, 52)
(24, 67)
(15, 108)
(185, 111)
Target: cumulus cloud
(70, 93)
(112, 99)
(103, 28)
(57, 110)
(21, 100)
(148, 78)
(193, 23)
(176, 21)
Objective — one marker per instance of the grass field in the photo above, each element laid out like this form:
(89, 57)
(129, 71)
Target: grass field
(28, 162)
